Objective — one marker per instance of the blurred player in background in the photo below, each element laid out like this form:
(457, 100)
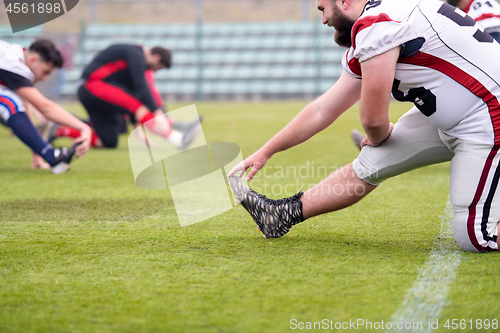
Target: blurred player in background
(486, 13)
(119, 83)
(421, 51)
(20, 69)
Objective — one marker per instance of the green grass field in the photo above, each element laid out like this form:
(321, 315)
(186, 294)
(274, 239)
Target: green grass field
(89, 251)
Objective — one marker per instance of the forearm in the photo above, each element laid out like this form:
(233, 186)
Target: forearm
(57, 114)
(376, 129)
(51, 110)
(378, 78)
(317, 116)
(310, 121)
(374, 110)
(307, 123)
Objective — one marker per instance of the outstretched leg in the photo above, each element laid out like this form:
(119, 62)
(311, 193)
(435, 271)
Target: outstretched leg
(341, 189)
(275, 217)
(414, 142)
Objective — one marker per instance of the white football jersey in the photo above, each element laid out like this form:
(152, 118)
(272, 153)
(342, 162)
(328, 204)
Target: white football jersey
(448, 65)
(12, 60)
(486, 12)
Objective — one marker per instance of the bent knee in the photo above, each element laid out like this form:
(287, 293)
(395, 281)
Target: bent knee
(465, 244)
(110, 143)
(472, 240)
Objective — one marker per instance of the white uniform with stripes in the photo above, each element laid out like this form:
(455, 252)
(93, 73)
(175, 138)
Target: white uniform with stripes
(449, 69)
(12, 61)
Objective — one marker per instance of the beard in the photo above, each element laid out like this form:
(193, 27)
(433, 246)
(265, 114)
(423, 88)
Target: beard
(343, 28)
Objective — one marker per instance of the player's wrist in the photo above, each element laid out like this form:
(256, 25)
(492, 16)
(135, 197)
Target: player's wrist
(85, 130)
(265, 153)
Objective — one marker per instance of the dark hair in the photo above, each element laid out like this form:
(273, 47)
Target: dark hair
(47, 51)
(165, 55)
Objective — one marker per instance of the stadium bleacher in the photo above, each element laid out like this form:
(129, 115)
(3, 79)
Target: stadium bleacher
(223, 60)
(24, 38)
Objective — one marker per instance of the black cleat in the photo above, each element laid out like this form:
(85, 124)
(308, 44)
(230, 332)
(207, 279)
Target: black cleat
(64, 156)
(273, 217)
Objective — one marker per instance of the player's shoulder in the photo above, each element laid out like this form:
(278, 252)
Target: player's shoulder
(124, 46)
(125, 49)
(383, 25)
(386, 11)
(395, 8)
(9, 52)
(12, 60)
(118, 48)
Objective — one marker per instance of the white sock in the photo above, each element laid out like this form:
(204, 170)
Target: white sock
(175, 138)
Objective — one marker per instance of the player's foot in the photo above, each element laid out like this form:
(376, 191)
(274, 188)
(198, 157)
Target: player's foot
(183, 126)
(64, 156)
(38, 163)
(273, 217)
(42, 165)
(189, 134)
(48, 131)
(357, 137)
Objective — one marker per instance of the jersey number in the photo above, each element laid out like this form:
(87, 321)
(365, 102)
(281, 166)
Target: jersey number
(371, 4)
(423, 98)
(464, 21)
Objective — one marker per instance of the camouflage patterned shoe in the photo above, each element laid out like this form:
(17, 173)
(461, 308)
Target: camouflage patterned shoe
(273, 217)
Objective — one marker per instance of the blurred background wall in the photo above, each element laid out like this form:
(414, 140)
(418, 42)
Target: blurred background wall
(223, 49)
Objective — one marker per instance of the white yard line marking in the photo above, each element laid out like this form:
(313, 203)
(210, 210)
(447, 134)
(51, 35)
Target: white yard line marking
(428, 295)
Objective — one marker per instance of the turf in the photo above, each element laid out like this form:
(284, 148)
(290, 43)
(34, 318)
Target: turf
(89, 251)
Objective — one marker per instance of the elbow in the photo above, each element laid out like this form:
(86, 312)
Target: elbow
(372, 125)
(377, 131)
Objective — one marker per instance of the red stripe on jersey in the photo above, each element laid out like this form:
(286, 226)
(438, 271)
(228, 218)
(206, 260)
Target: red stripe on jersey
(8, 103)
(150, 79)
(108, 92)
(466, 80)
(367, 22)
(486, 16)
(106, 70)
(2, 83)
(112, 94)
(354, 66)
(479, 191)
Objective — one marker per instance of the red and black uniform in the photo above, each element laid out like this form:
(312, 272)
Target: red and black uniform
(114, 85)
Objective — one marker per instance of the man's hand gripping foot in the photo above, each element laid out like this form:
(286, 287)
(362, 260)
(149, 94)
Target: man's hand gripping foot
(273, 217)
